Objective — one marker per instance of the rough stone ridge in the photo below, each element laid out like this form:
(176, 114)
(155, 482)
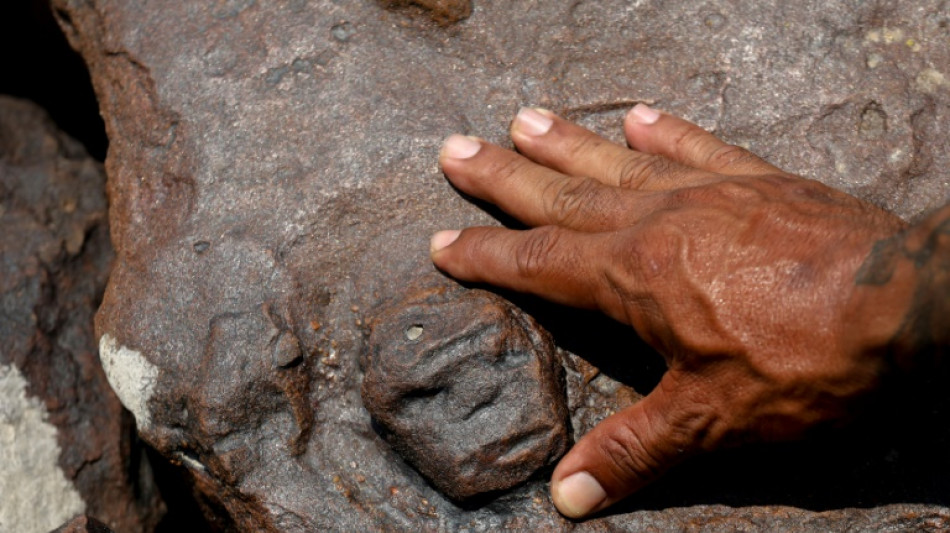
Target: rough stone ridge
(83, 524)
(74, 448)
(273, 183)
(468, 389)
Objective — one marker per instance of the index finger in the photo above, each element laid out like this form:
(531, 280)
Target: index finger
(552, 262)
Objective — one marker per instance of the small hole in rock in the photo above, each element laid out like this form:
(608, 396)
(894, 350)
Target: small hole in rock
(414, 331)
(201, 246)
(342, 31)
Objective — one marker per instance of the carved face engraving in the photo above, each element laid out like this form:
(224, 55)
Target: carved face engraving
(468, 389)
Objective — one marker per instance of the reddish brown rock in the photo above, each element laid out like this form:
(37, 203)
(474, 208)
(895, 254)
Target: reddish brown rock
(54, 260)
(273, 178)
(83, 524)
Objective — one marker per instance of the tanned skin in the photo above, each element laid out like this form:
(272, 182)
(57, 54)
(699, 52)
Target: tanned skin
(779, 303)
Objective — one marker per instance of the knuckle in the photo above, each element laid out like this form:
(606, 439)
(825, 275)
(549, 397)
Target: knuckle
(567, 199)
(580, 147)
(690, 140)
(718, 194)
(479, 245)
(652, 252)
(635, 171)
(629, 456)
(536, 252)
(696, 425)
(688, 196)
(508, 168)
(730, 156)
(818, 192)
(737, 191)
(631, 253)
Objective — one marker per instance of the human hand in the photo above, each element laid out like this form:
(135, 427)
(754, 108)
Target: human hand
(740, 274)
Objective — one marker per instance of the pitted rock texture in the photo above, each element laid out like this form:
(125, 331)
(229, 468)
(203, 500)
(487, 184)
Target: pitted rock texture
(468, 389)
(54, 260)
(273, 183)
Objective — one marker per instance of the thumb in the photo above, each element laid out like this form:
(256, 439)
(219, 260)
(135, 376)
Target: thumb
(627, 451)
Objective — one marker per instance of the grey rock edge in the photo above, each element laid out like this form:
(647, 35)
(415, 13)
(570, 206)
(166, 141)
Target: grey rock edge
(273, 178)
(66, 444)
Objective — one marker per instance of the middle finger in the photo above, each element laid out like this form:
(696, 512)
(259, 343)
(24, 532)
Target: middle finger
(556, 143)
(532, 193)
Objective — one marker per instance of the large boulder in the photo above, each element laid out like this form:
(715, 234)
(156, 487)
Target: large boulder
(66, 444)
(273, 177)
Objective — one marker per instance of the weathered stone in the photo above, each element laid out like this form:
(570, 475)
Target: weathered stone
(468, 389)
(66, 444)
(83, 524)
(273, 178)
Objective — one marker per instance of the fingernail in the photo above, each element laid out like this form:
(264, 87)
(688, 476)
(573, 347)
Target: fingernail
(644, 114)
(532, 122)
(442, 239)
(578, 494)
(460, 147)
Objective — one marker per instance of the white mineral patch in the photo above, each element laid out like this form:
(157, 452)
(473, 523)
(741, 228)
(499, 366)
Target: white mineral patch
(131, 376)
(35, 495)
(929, 80)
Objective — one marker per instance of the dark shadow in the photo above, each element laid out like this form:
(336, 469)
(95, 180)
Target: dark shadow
(896, 453)
(184, 512)
(614, 348)
(39, 65)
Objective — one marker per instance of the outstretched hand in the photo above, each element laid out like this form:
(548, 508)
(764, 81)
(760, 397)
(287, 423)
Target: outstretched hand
(740, 274)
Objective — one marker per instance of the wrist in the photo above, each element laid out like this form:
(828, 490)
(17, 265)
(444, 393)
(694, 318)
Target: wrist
(900, 306)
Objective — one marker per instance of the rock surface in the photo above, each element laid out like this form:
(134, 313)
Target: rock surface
(273, 177)
(467, 389)
(66, 444)
(83, 524)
